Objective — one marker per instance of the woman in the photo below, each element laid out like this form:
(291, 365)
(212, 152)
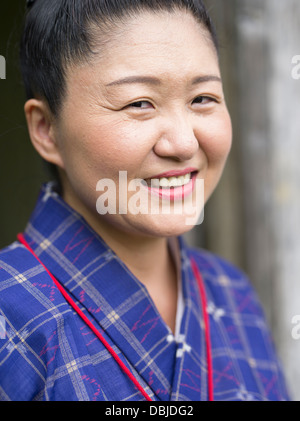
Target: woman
(102, 299)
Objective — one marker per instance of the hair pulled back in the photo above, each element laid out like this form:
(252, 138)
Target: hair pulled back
(58, 33)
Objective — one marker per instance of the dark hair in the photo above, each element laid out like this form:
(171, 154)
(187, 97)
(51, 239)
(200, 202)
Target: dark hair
(59, 32)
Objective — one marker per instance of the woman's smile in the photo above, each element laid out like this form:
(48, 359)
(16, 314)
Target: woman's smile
(173, 185)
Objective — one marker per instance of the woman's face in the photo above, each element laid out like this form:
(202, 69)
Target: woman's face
(151, 106)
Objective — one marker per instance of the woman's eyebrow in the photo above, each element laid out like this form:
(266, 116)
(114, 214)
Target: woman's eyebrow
(207, 78)
(151, 80)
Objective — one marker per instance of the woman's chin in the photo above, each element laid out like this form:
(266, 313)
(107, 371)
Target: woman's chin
(163, 225)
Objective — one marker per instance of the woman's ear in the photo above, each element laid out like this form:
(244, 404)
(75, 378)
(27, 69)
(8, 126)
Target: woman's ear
(41, 131)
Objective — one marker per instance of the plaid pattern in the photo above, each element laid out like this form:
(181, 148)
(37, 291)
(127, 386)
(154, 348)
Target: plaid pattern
(48, 353)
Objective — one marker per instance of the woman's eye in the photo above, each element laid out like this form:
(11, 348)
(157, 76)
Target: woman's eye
(141, 104)
(203, 100)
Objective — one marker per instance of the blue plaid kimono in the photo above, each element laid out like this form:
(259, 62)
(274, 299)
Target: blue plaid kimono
(48, 353)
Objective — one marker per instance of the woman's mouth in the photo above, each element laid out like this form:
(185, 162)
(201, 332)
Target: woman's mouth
(170, 182)
(173, 187)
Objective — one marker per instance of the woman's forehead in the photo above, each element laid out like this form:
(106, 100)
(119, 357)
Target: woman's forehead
(156, 45)
(163, 29)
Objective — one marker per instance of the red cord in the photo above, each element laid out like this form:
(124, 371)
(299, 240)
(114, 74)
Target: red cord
(207, 330)
(107, 345)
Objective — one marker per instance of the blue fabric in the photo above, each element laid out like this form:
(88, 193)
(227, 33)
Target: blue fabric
(49, 353)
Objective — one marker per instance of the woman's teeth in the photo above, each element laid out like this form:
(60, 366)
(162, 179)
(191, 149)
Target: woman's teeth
(167, 183)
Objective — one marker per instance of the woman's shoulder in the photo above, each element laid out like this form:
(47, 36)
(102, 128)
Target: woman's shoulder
(15, 262)
(228, 286)
(237, 315)
(217, 266)
(17, 265)
(31, 313)
(25, 287)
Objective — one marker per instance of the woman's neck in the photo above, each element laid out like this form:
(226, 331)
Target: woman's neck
(150, 260)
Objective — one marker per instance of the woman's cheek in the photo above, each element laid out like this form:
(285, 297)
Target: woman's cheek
(217, 142)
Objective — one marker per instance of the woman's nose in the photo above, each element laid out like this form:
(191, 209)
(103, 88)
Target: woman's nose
(177, 139)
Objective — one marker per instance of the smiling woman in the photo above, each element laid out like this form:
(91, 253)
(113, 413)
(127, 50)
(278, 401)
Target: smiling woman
(127, 88)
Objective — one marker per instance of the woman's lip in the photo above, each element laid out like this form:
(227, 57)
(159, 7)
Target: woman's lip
(175, 193)
(174, 173)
